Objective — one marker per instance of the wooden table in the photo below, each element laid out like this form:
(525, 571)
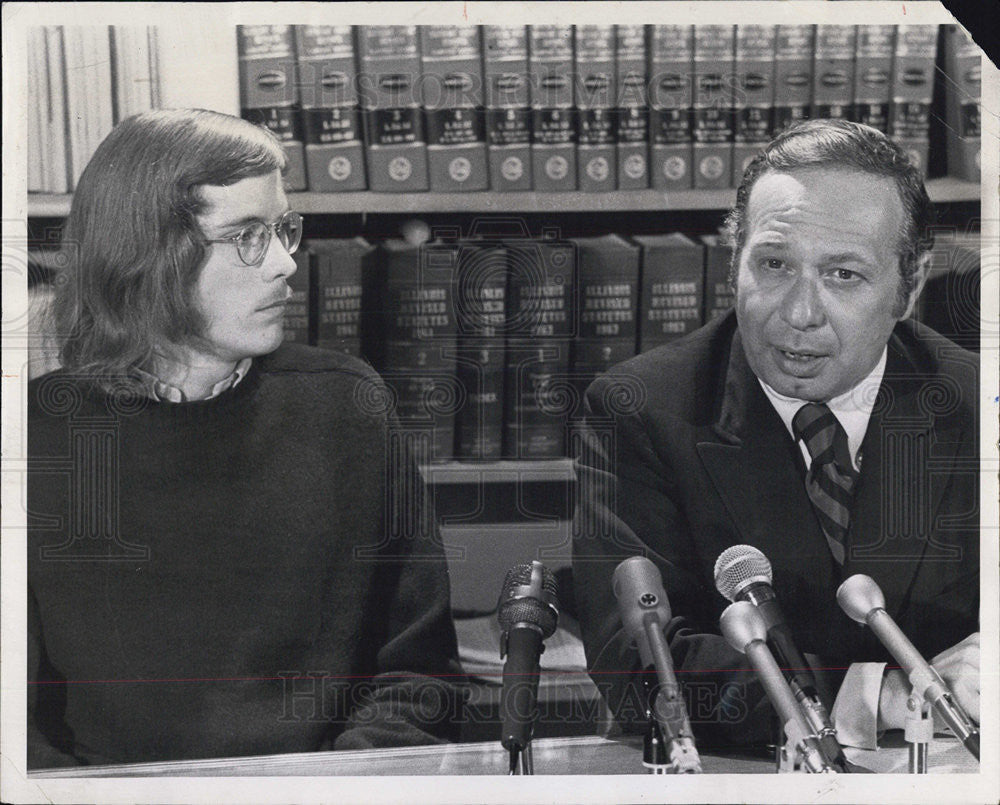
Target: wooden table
(552, 756)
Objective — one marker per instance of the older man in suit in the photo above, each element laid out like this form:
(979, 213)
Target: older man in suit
(815, 423)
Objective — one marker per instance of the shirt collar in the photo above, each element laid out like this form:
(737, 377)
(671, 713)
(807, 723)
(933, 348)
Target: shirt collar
(162, 391)
(853, 408)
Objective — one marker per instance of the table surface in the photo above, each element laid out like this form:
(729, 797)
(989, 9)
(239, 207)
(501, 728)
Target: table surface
(578, 755)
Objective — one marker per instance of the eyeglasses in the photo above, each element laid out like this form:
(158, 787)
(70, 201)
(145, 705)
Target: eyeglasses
(253, 241)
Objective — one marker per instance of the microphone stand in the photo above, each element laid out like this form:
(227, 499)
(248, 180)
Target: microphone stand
(520, 760)
(654, 748)
(919, 732)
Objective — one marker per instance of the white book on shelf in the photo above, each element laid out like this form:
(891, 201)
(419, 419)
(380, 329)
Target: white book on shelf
(88, 91)
(197, 66)
(133, 81)
(37, 104)
(54, 138)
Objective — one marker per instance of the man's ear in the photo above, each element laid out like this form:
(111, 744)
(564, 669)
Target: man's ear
(919, 278)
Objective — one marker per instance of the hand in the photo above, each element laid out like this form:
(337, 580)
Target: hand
(959, 668)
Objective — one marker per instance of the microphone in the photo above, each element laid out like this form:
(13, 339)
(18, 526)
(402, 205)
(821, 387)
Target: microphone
(861, 598)
(528, 612)
(645, 612)
(743, 573)
(744, 628)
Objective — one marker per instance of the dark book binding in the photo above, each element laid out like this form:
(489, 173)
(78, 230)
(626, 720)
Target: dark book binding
(553, 119)
(873, 75)
(388, 79)
(754, 94)
(963, 71)
(913, 89)
(508, 106)
(833, 71)
(331, 118)
(269, 91)
(538, 392)
(719, 297)
(632, 107)
(338, 270)
(452, 93)
(672, 292)
(412, 300)
(594, 59)
(297, 322)
(481, 310)
(671, 72)
(712, 126)
(793, 70)
(607, 307)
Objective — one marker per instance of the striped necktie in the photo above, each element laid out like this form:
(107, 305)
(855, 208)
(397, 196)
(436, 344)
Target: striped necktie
(831, 478)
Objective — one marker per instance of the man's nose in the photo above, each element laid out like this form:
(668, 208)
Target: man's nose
(277, 261)
(802, 306)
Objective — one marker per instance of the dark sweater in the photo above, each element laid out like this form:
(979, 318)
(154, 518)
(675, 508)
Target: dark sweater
(231, 577)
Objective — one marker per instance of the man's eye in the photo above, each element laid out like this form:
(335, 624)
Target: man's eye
(845, 274)
(252, 234)
(772, 263)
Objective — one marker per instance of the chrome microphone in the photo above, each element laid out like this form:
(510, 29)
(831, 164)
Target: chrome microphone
(528, 612)
(743, 573)
(745, 630)
(861, 598)
(645, 612)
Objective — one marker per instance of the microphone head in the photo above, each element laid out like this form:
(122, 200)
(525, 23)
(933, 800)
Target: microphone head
(738, 567)
(638, 587)
(858, 596)
(529, 597)
(741, 624)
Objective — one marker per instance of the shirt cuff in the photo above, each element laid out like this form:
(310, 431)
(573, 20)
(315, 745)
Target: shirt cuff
(855, 711)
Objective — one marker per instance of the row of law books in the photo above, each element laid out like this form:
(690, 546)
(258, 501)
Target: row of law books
(487, 343)
(540, 107)
(397, 108)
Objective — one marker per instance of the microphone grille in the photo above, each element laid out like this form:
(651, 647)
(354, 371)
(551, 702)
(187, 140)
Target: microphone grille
(518, 605)
(738, 566)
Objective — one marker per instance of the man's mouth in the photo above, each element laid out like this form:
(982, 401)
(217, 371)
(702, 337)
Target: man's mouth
(800, 356)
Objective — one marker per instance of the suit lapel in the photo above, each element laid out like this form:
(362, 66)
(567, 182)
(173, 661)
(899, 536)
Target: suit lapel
(892, 523)
(757, 472)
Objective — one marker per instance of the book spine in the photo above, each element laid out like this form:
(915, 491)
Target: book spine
(131, 71)
(719, 296)
(452, 94)
(632, 108)
(712, 127)
(269, 91)
(418, 341)
(793, 65)
(540, 329)
(671, 73)
(38, 102)
(331, 119)
(88, 95)
(594, 61)
(607, 302)
(873, 75)
(553, 123)
(297, 319)
(508, 106)
(480, 306)
(672, 294)
(912, 90)
(963, 69)
(389, 74)
(833, 71)
(57, 138)
(185, 78)
(754, 93)
(338, 292)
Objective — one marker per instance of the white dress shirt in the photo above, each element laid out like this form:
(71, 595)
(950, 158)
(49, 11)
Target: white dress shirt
(855, 711)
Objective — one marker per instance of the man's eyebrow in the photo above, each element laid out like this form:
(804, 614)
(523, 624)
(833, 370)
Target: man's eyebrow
(846, 257)
(246, 220)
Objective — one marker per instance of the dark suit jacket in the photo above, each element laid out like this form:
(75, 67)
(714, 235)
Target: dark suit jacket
(684, 456)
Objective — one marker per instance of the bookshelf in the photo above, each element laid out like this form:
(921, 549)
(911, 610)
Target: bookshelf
(943, 190)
